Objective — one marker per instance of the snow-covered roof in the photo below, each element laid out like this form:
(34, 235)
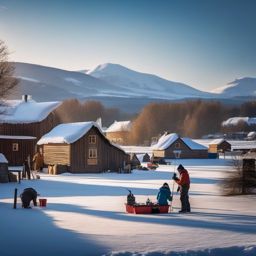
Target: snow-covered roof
(17, 137)
(67, 133)
(30, 111)
(235, 120)
(193, 145)
(119, 126)
(216, 142)
(250, 134)
(167, 140)
(3, 159)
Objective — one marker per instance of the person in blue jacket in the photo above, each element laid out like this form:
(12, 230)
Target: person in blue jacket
(164, 195)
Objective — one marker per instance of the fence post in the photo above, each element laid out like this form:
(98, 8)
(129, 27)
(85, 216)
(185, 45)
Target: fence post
(15, 198)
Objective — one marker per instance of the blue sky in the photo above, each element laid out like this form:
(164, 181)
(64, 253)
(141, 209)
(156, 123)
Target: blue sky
(203, 43)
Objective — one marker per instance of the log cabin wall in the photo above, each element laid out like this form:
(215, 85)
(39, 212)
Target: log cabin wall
(56, 154)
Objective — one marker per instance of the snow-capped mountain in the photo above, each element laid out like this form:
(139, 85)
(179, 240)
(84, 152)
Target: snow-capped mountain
(240, 87)
(116, 86)
(143, 84)
(47, 83)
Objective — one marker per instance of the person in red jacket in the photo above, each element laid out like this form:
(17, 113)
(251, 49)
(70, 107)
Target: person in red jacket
(184, 183)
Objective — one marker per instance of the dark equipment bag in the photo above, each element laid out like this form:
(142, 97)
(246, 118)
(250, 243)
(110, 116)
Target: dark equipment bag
(130, 198)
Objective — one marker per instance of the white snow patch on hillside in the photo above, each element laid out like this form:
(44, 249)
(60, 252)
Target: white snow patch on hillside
(28, 79)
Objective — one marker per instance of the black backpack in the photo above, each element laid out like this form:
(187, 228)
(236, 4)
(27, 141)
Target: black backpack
(130, 198)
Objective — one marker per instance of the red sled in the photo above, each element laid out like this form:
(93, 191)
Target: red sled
(147, 209)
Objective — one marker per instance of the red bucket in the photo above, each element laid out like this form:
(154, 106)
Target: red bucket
(42, 202)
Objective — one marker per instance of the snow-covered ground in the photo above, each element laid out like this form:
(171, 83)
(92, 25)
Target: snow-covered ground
(85, 215)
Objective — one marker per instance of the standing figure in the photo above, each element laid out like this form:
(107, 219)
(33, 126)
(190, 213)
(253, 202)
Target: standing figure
(28, 195)
(26, 169)
(184, 184)
(38, 161)
(164, 195)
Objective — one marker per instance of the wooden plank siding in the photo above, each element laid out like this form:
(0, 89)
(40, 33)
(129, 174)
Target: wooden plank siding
(25, 148)
(37, 129)
(186, 152)
(56, 154)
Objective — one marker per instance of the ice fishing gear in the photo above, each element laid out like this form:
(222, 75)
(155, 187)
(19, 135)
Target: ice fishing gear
(130, 198)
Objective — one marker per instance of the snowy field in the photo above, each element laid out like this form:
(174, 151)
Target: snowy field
(85, 215)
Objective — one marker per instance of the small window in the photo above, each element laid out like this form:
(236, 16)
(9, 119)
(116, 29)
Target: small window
(92, 153)
(15, 147)
(177, 145)
(92, 139)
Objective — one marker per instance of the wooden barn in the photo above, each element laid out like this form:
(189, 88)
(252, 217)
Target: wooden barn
(169, 144)
(82, 148)
(22, 124)
(118, 132)
(219, 146)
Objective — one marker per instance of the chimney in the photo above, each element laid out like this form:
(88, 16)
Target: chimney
(26, 97)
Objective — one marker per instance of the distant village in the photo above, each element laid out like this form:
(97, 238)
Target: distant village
(28, 127)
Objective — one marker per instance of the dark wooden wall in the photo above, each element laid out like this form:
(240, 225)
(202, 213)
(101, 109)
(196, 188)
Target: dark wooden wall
(109, 157)
(37, 129)
(15, 158)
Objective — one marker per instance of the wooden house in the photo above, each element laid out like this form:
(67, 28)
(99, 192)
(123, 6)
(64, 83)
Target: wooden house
(118, 132)
(173, 146)
(82, 148)
(22, 124)
(219, 145)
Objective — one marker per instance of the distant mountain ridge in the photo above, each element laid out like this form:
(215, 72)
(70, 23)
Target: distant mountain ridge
(245, 86)
(117, 86)
(144, 84)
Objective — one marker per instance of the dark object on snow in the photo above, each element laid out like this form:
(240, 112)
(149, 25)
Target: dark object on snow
(174, 177)
(15, 198)
(28, 195)
(130, 198)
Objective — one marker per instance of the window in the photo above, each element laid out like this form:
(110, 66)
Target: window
(92, 153)
(15, 147)
(177, 145)
(92, 139)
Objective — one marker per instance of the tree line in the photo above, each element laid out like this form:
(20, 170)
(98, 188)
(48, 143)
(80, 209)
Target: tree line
(192, 118)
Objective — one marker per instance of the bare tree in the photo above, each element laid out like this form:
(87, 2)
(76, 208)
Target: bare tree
(7, 79)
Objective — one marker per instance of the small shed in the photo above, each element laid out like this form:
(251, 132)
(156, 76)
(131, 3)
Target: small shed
(143, 157)
(4, 174)
(17, 148)
(82, 148)
(118, 132)
(134, 161)
(170, 143)
(219, 146)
